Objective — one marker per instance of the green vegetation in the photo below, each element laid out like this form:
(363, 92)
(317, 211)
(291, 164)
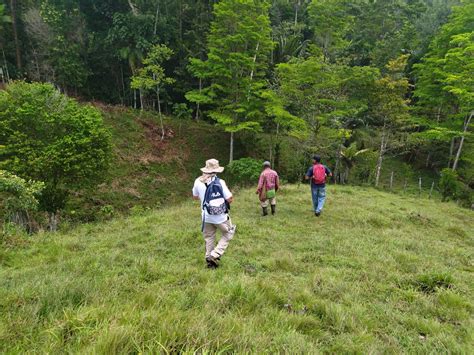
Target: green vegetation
(50, 138)
(18, 197)
(377, 272)
(145, 171)
(239, 44)
(250, 64)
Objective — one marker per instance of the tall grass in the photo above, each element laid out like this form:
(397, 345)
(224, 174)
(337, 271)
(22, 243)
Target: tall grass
(377, 272)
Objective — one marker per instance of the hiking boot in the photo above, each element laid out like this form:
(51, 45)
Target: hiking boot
(317, 213)
(264, 211)
(212, 263)
(273, 209)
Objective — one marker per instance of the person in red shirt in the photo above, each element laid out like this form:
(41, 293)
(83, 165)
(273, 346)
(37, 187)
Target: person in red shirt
(268, 185)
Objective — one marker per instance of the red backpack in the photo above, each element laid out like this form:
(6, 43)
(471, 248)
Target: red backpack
(319, 174)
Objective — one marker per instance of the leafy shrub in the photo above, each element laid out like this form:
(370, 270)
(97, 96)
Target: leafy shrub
(182, 111)
(364, 168)
(465, 195)
(18, 197)
(107, 212)
(245, 171)
(51, 138)
(448, 184)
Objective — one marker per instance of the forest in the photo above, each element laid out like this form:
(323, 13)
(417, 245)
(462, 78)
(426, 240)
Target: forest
(362, 82)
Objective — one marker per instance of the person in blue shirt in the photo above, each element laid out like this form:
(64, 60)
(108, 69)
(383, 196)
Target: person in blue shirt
(318, 174)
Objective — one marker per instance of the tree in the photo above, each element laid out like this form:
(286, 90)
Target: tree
(445, 76)
(238, 48)
(459, 80)
(325, 94)
(131, 34)
(280, 120)
(389, 105)
(152, 75)
(330, 23)
(50, 138)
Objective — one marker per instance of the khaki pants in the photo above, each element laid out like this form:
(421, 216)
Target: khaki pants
(268, 201)
(210, 230)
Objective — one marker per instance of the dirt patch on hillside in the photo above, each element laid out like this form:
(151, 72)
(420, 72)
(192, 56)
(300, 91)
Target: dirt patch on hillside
(170, 149)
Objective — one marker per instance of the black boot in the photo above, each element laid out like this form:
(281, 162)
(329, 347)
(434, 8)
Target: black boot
(273, 209)
(264, 211)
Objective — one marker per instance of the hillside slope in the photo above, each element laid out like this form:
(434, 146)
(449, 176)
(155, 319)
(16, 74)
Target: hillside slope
(376, 273)
(146, 171)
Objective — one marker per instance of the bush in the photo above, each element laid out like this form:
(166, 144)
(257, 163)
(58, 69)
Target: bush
(51, 138)
(448, 184)
(182, 111)
(18, 198)
(245, 171)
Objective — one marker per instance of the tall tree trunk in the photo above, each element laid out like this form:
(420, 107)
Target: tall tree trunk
(15, 34)
(346, 173)
(467, 122)
(6, 66)
(198, 105)
(383, 145)
(53, 222)
(254, 59)
(451, 150)
(231, 154)
(123, 85)
(157, 14)
(271, 150)
(271, 53)
(338, 161)
(159, 113)
(297, 6)
(133, 8)
(142, 102)
(180, 21)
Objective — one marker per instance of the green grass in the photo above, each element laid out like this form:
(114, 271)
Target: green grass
(377, 272)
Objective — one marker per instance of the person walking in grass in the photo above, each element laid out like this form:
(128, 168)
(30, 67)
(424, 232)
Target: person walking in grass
(215, 199)
(318, 173)
(268, 185)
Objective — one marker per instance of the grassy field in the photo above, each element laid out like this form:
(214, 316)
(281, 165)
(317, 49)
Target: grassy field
(377, 272)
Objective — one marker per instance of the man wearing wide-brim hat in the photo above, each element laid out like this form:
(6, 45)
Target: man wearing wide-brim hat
(215, 199)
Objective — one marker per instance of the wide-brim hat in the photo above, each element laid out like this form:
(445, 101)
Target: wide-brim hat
(212, 166)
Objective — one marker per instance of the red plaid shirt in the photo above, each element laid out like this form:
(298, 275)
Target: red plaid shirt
(270, 178)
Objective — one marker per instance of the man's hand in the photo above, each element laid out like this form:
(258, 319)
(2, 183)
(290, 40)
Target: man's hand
(230, 199)
(195, 197)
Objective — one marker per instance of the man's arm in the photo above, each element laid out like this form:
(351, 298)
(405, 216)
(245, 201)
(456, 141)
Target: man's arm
(328, 171)
(227, 194)
(260, 184)
(309, 174)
